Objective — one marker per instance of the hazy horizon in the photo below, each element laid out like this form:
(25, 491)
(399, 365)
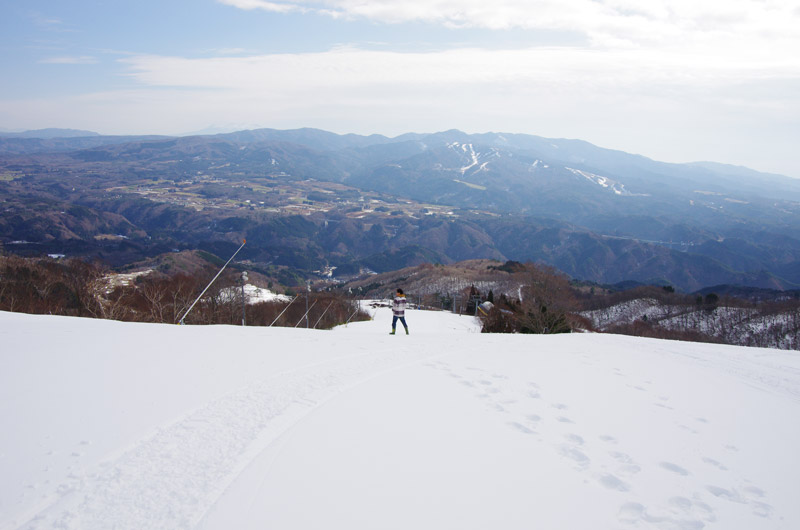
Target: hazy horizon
(673, 81)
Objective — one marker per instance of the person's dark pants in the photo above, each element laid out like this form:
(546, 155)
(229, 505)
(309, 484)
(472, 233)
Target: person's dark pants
(402, 320)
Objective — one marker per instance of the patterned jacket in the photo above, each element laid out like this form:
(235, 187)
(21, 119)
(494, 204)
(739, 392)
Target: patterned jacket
(399, 305)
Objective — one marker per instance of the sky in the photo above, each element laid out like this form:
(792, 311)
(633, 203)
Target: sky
(674, 80)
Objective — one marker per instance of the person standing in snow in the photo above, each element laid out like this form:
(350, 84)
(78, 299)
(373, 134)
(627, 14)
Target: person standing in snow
(399, 311)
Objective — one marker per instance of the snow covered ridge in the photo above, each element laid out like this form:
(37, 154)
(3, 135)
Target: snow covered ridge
(120, 425)
(744, 326)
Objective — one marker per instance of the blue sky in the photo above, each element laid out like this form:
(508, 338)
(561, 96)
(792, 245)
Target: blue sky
(675, 80)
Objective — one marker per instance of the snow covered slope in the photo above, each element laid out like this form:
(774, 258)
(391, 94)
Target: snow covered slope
(135, 426)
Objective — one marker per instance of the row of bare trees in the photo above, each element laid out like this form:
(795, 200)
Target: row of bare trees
(533, 299)
(77, 288)
(48, 286)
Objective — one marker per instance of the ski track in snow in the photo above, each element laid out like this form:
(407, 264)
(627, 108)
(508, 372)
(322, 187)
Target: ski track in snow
(171, 478)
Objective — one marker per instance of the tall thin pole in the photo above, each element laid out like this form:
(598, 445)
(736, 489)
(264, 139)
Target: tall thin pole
(243, 302)
(284, 310)
(308, 284)
(351, 316)
(306, 315)
(323, 314)
(212, 281)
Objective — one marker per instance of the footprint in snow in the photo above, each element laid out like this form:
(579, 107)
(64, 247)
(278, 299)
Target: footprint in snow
(688, 429)
(712, 462)
(533, 390)
(750, 495)
(521, 428)
(669, 466)
(575, 439)
(613, 483)
(626, 464)
(681, 514)
(533, 419)
(574, 454)
(631, 512)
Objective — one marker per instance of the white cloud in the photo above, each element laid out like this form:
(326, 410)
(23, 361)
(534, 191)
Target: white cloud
(275, 7)
(353, 67)
(670, 105)
(670, 23)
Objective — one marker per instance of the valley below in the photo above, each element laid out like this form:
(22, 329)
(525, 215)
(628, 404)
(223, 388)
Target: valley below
(313, 203)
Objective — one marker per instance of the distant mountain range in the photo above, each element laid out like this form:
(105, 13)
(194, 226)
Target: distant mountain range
(307, 198)
(48, 133)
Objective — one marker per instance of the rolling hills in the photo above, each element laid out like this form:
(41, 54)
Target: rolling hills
(308, 199)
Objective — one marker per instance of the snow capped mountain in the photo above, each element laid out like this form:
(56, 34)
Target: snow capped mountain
(118, 425)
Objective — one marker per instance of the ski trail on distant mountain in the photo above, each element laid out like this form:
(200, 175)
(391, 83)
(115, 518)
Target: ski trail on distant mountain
(173, 477)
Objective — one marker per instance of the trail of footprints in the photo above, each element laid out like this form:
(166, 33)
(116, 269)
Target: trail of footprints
(529, 413)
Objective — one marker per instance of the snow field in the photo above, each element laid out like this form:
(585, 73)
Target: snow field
(116, 425)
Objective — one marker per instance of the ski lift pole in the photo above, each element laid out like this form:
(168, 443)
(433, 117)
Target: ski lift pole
(306, 315)
(284, 310)
(244, 281)
(308, 287)
(212, 281)
(354, 314)
(322, 315)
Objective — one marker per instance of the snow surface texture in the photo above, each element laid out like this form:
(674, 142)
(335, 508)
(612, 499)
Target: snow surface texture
(136, 426)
